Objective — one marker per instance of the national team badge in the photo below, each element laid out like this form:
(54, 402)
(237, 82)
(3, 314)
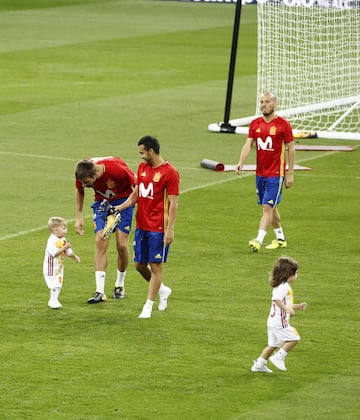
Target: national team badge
(60, 243)
(272, 130)
(110, 184)
(157, 177)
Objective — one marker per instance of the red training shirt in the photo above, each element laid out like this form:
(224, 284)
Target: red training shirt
(271, 138)
(155, 185)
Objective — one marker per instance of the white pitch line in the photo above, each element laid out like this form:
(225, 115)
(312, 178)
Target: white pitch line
(22, 233)
(45, 156)
(36, 156)
(199, 187)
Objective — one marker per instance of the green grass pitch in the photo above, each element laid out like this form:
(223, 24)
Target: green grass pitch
(84, 78)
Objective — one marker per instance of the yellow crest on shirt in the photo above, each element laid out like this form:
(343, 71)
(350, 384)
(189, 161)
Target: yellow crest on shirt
(110, 184)
(60, 243)
(157, 177)
(272, 130)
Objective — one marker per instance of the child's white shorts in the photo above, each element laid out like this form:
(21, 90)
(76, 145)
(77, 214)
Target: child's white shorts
(278, 336)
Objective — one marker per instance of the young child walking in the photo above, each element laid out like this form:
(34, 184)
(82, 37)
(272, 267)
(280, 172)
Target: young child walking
(280, 333)
(57, 249)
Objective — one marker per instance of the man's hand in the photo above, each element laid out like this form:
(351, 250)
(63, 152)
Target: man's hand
(289, 179)
(168, 236)
(79, 226)
(238, 168)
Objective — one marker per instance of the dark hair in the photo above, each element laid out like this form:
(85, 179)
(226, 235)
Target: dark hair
(284, 268)
(85, 169)
(150, 142)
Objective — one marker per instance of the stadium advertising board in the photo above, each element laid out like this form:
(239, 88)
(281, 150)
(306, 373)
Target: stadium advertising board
(336, 4)
(220, 1)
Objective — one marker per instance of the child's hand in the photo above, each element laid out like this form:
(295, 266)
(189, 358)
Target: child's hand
(75, 257)
(290, 311)
(302, 306)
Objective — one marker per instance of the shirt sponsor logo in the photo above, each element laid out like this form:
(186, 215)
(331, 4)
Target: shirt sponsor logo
(146, 192)
(265, 145)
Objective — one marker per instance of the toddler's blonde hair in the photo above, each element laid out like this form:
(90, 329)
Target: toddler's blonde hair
(55, 222)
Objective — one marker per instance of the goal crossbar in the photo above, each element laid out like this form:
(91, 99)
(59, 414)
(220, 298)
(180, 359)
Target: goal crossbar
(309, 57)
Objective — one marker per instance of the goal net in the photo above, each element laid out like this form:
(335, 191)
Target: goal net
(309, 56)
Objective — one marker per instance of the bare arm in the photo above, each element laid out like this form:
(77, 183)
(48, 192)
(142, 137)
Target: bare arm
(131, 200)
(245, 151)
(79, 202)
(300, 306)
(287, 309)
(169, 232)
(296, 306)
(62, 249)
(75, 257)
(289, 177)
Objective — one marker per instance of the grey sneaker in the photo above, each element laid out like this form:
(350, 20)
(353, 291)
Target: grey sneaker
(118, 293)
(54, 304)
(276, 361)
(256, 367)
(98, 297)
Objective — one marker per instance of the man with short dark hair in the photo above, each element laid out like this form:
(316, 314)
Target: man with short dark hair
(112, 180)
(156, 194)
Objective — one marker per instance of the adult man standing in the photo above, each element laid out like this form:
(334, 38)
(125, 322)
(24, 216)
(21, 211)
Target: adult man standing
(156, 195)
(272, 135)
(112, 180)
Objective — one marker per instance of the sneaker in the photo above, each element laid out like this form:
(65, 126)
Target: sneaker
(256, 367)
(277, 243)
(146, 311)
(98, 297)
(54, 304)
(255, 245)
(118, 293)
(163, 298)
(276, 361)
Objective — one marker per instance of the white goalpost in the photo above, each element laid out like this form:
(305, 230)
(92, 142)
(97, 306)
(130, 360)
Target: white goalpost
(309, 56)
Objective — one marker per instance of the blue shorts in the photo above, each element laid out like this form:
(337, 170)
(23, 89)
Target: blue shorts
(149, 247)
(99, 217)
(269, 190)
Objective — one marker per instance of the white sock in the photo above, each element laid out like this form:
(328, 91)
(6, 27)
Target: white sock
(54, 293)
(100, 281)
(279, 234)
(261, 235)
(149, 303)
(120, 278)
(147, 309)
(162, 288)
(282, 354)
